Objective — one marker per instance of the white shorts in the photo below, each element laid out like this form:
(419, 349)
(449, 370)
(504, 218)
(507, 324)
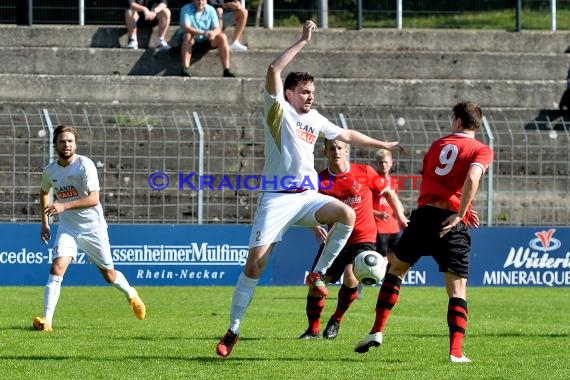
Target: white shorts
(95, 245)
(276, 212)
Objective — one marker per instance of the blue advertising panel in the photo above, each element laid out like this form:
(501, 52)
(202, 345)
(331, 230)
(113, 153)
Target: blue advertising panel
(146, 254)
(520, 257)
(158, 255)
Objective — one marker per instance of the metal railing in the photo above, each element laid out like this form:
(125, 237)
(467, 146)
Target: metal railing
(329, 13)
(208, 162)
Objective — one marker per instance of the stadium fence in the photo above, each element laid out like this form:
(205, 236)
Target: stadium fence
(203, 167)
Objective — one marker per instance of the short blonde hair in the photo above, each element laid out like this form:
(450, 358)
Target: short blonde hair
(384, 153)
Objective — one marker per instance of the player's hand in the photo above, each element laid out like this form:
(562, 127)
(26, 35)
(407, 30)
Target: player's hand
(403, 221)
(45, 234)
(449, 223)
(395, 146)
(473, 219)
(308, 29)
(54, 209)
(320, 234)
(383, 216)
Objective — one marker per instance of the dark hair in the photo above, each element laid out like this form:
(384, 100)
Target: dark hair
(61, 129)
(294, 78)
(469, 113)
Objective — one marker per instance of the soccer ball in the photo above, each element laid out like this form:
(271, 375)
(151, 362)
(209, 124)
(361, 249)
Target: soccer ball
(369, 267)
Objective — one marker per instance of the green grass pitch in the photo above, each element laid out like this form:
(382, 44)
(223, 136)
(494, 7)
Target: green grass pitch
(513, 333)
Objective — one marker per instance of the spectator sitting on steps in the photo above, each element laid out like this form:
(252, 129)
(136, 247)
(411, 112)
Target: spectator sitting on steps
(201, 30)
(236, 9)
(147, 14)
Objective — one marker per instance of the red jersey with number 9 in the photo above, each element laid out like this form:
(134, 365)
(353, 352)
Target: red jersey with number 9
(445, 167)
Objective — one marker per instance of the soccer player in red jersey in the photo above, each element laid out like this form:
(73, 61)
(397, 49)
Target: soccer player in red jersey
(452, 169)
(352, 184)
(388, 227)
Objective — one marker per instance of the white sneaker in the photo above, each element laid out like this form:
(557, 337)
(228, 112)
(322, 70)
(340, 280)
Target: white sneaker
(133, 44)
(370, 340)
(462, 359)
(162, 45)
(237, 46)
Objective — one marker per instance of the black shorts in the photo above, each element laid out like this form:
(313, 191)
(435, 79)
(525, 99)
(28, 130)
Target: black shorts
(345, 257)
(144, 24)
(220, 3)
(421, 238)
(386, 243)
(202, 46)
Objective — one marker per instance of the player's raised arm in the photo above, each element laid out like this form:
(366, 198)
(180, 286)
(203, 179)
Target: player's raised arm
(273, 82)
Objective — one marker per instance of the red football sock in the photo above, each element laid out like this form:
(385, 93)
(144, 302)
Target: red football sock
(387, 298)
(457, 322)
(346, 296)
(314, 309)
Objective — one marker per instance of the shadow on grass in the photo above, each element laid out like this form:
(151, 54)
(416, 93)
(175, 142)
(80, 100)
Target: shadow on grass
(237, 359)
(151, 338)
(504, 334)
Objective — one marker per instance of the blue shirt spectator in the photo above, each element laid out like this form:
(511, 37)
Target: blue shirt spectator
(201, 29)
(203, 20)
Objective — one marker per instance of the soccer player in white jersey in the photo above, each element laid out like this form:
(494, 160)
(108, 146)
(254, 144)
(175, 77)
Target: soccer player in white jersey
(82, 225)
(289, 185)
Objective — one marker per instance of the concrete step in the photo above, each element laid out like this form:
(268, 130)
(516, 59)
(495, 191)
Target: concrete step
(323, 40)
(121, 89)
(252, 64)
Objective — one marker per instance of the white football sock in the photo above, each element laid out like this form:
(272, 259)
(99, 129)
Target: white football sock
(336, 239)
(243, 293)
(51, 296)
(122, 284)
